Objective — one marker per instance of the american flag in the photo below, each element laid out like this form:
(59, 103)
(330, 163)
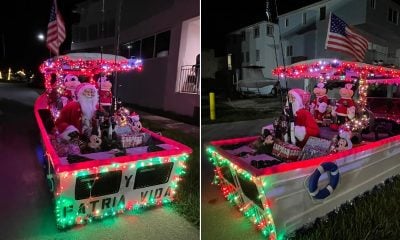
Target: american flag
(55, 30)
(342, 38)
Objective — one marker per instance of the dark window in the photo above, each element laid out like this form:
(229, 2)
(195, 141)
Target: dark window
(287, 22)
(249, 189)
(110, 25)
(304, 18)
(82, 34)
(247, 57)
(257, 55)
(75, 34)
(393, 15)
(135, 50)
(148, 47)
(270, 30)
(322, 13)
(97, 185)
(243, 33)
(153, 175)
(162, 42)
(373, 4)
(93, 32)
(256, 32)
(242, 55)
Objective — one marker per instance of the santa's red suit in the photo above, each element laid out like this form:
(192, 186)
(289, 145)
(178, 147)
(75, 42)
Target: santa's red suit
(105, 97)
(305, 124)
(72, 118)
(320, 104)
(344, 107)
(71, 114)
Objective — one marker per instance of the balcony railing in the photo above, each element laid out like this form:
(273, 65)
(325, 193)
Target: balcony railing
(189, 79)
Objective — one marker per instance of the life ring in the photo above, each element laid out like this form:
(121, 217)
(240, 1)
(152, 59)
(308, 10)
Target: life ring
(333, 173)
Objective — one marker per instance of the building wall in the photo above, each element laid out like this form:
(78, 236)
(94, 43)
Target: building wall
(154, 87)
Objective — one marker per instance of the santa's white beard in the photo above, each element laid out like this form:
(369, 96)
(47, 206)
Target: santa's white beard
(296, 106)
(88, 106)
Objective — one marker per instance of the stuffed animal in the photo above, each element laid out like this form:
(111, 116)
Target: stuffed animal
(94, 143)
(345, 108)
(105, 91)
(341, 142)
(136, 125)
(320, 103)
(70, 84)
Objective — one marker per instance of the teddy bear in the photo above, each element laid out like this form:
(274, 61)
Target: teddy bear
(104, 91)
(320, 103)
(345, 108)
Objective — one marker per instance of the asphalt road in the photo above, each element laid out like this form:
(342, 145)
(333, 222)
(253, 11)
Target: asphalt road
(219, 219)
(26, 209)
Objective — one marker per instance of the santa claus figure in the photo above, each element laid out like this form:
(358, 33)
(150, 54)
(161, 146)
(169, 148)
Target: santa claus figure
(305, 124)
(78, 116)
(104, 91)
(320, 103)
(70, 84)
(345, 108)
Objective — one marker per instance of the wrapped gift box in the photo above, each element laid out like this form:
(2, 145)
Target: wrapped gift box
(131, 140)
(286, 151)
(315, 147)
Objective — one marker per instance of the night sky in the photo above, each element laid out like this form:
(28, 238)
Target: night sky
(21, 21)
(221, 17)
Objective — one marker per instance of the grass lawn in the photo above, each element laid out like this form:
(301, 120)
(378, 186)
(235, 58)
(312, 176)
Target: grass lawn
(375, 215)
(188, 194)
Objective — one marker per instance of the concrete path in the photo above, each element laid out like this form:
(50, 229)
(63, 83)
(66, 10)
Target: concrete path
(25, 204)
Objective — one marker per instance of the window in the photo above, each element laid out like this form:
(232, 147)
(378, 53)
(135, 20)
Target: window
(97, 185)
(257, 55)
(243, 33)
(247, 57)
(93, 32)
(322, 13)
(304, 18)
(242, 55)
(393, 16)
(162, 43)
(148, 47)
(135, 50)
(270, 30)
(153, 175)
(289, 51)
(287, 22)
(256, 32)
(373, 4)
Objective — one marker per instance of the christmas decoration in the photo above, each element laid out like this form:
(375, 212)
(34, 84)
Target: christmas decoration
(105, 94)
(276, 197)
(320, 103)
(106, 181)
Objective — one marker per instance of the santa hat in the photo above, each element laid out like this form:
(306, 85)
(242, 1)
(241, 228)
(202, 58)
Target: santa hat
(82, 87)
(134, 116)
(302, 97)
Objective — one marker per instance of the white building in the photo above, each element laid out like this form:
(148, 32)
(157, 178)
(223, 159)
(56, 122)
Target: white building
(303, 32)
(164, 33)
